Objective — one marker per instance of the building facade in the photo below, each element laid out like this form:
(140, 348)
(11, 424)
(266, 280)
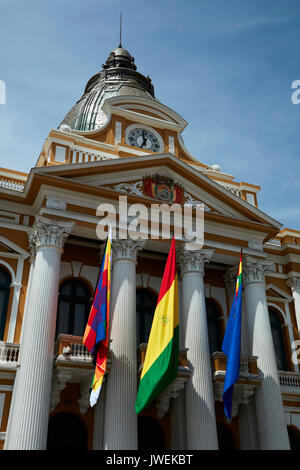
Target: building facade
(119, 140)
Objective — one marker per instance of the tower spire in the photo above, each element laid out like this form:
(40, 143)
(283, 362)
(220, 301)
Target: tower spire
(120, 45)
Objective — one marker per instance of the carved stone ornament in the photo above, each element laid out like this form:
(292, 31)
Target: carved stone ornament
(49, 232)
(254, 270)
(127, 249)
(293, 283)
(241, 395)
(193, 260)
(164, 188)
(137, 188)
(84, 400)
(59, 382)
(131, 188)
(230, 277)
(164, 399)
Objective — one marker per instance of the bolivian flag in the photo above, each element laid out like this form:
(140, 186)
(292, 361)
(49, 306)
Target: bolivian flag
(97, 328)
(161, 362)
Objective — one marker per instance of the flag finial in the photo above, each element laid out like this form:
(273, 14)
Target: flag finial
(120, 45)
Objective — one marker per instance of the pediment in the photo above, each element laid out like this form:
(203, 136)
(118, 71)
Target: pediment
(7, 247)
(151, 112)
(126, 175)
(274, 292)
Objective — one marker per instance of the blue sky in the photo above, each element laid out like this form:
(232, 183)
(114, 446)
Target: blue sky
(226, 66)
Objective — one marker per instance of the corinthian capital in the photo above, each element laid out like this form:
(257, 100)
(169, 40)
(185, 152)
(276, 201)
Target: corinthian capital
(127, 249)
(49, 232)
(230, 278)
(194, 260)
(294, 283)
(254, 270)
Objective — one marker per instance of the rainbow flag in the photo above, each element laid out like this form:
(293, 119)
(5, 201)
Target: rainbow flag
(232, 344)
(161, 362)
(97, 328)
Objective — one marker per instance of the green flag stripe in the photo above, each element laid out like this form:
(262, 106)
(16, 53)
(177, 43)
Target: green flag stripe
(161, 374)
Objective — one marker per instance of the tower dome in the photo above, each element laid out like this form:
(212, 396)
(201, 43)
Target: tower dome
(118, 77)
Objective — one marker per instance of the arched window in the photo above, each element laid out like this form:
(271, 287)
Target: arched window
(66, 431)
(146, 301)
(73, 307)
(213, 324)
(276, 328)
(294, 437)
(5, 283)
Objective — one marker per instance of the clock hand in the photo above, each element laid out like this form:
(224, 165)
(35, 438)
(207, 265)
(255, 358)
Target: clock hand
(144, 140)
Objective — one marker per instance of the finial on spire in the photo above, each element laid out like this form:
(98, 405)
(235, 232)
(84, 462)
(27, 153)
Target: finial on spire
(120, 45)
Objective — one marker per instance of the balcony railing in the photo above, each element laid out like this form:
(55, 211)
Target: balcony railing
(249, 379)
(289, 381)
(70, 348)
(9, 355)
(11, 184)
(248, 365)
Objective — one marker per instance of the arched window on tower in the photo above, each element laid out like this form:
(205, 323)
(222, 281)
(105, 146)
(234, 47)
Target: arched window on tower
(213, 313)
(146, 301)
(73, 307)
(278, 340)
(5, 282)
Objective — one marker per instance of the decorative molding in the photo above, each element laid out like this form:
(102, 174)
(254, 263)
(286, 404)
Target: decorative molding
(55, 203)
(255, 245)
(254, 270)
(49, 232)
(136, 189)
(241, 395)
(193, 260)
(163, 188)
(230, 278)
(172, 391)
(84, 400)
(118, 132)
(131, 188)
(293, 283)
(127, 249)
(59, 380)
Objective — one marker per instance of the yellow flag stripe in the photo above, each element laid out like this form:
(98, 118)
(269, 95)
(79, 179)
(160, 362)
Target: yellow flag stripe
(166, 318)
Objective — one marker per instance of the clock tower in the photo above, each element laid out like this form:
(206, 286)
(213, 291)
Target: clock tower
(119, 109)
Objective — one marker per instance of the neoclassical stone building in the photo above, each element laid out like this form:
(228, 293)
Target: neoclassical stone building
(116, 139)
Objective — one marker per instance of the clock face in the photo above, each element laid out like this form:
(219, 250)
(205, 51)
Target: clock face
(143, 139)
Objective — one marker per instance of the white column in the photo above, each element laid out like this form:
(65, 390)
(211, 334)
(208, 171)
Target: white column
(120, 429)
(28, 420)
(272, 431)
(294, 285)
(17, 286)
(199, 397)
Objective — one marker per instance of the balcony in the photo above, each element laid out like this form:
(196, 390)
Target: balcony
(70, 350)
(72, 364)
(249, 379)
(162, 403)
